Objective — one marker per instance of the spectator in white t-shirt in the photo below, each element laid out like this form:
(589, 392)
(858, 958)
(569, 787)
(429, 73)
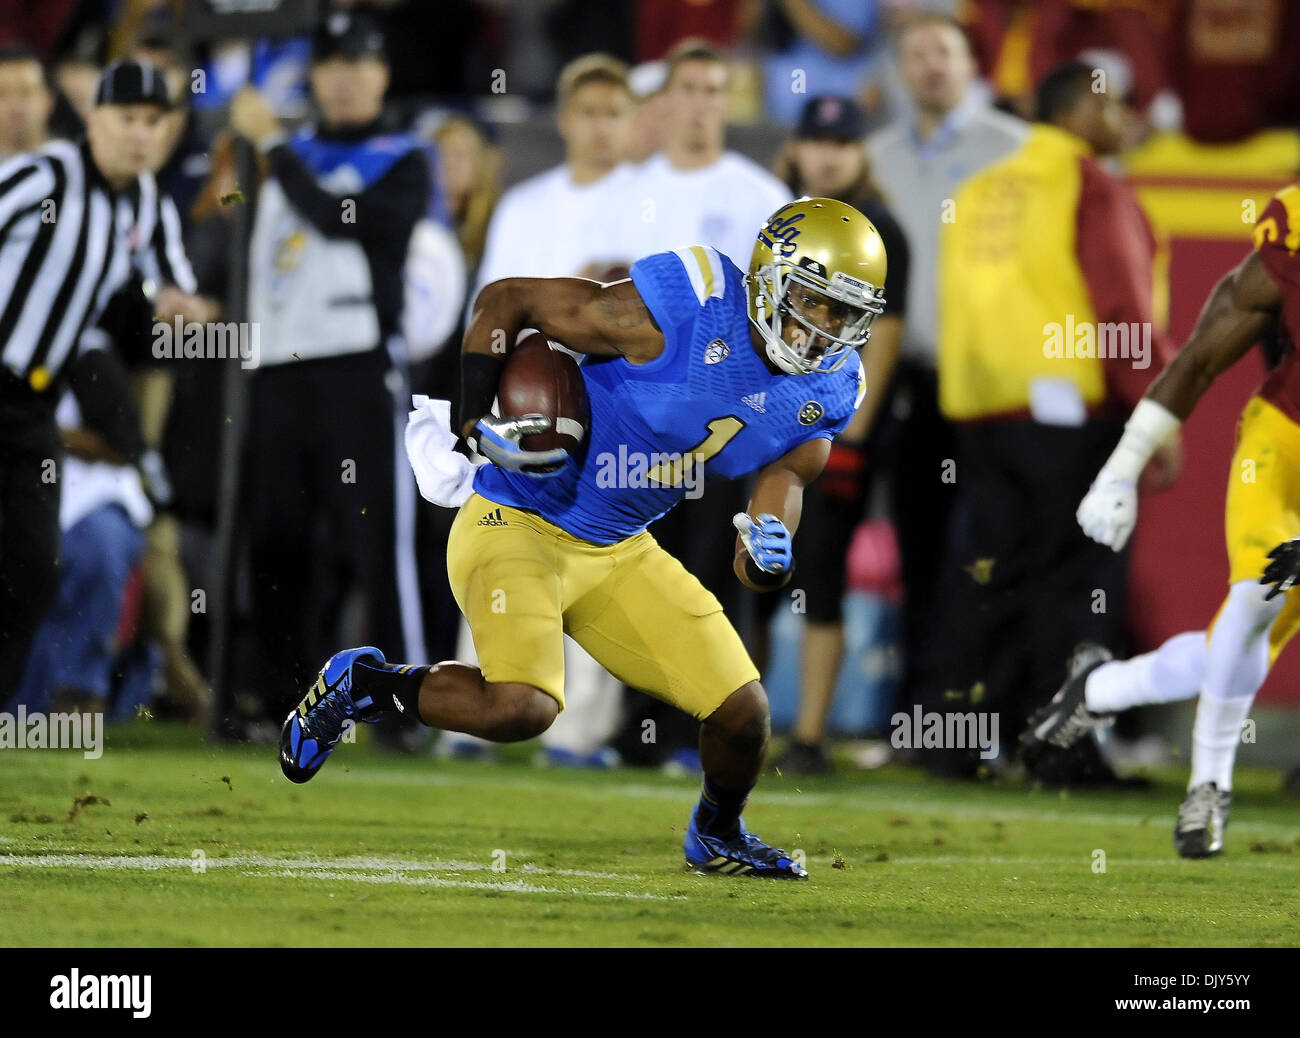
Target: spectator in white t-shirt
(695, 192)
(559, 223)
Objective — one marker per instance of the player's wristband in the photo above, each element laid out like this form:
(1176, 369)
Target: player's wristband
(479, 375)
(761, 578)
(1149, 426)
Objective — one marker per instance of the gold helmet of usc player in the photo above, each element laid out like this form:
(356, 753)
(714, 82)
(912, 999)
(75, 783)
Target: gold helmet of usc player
(821, 263)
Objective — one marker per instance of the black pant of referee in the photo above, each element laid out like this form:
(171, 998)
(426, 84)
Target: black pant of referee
(31, 460)
(331, 502)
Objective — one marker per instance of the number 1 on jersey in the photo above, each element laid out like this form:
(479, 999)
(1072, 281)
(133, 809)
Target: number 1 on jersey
(721, 432)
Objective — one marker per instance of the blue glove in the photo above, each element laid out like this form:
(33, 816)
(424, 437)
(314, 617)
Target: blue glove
(767, 540)
(498, 439)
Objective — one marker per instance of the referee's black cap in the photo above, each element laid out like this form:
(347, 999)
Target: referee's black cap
(133, 83)
(348, 34)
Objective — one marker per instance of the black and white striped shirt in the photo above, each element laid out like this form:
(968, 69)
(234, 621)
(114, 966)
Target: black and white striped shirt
(67, 243)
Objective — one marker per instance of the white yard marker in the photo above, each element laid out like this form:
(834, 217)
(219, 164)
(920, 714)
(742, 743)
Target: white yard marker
(354, 870)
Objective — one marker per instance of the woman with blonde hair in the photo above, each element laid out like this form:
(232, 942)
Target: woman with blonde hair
(469, 172)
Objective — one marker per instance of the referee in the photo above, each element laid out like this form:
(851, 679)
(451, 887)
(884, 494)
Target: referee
(74, 219)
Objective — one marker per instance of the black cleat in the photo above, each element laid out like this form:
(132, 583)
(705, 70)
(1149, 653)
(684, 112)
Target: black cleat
(1202, 818)
(800, 758)
(1066, 718)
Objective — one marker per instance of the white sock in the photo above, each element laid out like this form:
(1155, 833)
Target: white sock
(1168, 674)
(1215, 739)
(1236, 665)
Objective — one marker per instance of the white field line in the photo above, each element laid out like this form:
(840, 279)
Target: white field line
(869, 799)
(352, 870)
(1112, 863)
(259, 861)
(514, 886)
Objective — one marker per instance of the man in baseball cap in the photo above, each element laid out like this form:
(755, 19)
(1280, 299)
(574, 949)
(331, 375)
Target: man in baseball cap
(831, 118)
(336, 217)
(349, 69)
(350, 35)
(825, 158)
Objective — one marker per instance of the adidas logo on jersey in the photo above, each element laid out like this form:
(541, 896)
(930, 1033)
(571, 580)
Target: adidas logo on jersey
(715, 351)
(493, 518)
(758, 401)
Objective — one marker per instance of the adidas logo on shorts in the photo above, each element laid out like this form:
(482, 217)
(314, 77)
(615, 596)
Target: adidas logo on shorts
(493, 518)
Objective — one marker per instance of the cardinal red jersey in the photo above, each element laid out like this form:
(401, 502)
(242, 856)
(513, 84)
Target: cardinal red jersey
(1277, 240)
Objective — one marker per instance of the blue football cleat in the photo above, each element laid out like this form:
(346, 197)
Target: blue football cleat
(315, 727)
(742, 855)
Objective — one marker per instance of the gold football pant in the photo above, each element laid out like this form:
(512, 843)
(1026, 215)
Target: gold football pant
(522, 581)
(1263, 504)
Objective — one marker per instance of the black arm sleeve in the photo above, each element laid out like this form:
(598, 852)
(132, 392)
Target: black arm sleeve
(387, 209)
(479, 375)
(100, 383)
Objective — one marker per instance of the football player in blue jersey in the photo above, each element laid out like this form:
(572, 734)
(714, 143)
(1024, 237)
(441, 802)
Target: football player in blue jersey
(690, 363)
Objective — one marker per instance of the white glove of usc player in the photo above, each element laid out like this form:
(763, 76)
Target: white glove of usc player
(1108, 512)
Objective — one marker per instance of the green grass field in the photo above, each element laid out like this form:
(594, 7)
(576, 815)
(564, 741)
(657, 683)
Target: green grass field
(190, 844)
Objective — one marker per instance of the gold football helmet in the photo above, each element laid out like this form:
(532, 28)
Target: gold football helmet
(821, 263)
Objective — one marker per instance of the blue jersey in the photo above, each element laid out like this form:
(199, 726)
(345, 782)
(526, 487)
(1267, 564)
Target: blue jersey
(707, 402)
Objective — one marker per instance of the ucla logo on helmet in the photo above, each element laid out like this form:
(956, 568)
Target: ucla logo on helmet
(810, 413)
(781, 230)
(715, 351)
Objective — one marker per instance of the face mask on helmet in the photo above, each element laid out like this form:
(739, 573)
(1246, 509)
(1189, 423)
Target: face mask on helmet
(810, 324)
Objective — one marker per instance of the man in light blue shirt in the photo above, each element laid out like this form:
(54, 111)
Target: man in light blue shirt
(834, 51)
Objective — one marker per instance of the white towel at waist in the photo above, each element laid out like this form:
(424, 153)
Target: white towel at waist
(445, 477)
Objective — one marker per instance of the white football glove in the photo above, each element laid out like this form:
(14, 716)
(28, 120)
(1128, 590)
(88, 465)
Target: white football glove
(1108, 512)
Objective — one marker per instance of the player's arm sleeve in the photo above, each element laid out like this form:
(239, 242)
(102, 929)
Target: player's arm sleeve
(1115, 249)
(25, 182)
(386, 210)
(163, 259)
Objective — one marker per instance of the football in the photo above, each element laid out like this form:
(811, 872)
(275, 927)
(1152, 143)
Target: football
(542, 379)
